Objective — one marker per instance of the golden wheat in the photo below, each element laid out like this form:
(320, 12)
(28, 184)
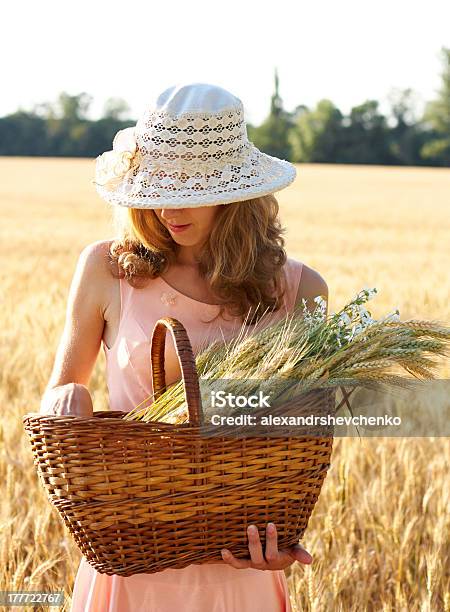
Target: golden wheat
(379, 533)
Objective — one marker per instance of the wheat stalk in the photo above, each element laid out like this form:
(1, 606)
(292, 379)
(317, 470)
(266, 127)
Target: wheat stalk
(303, 350)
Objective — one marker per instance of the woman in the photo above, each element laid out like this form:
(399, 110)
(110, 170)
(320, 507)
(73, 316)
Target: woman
(198, 239)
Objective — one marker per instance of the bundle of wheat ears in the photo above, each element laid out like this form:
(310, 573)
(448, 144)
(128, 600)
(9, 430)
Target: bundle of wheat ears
(306, 349)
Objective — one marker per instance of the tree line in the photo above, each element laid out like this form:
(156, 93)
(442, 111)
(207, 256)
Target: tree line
(322, 134)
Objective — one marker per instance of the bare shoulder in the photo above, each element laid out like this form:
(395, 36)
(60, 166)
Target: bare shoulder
(97, 252)
(94, 257)
(94, 267)
(312, 284)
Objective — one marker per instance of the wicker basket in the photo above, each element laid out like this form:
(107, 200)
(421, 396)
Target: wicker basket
(142, 497)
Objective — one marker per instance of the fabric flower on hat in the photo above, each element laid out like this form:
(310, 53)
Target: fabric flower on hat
(112, 166)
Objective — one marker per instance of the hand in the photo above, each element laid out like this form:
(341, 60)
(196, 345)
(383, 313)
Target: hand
(71, 398)
(273, 559)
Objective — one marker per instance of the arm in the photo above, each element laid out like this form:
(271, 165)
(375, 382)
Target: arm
(66, 391)
(311, 285)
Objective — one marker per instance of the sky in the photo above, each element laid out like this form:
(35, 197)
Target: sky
(348, 52)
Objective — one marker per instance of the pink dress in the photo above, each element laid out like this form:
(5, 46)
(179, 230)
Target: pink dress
(197, 587)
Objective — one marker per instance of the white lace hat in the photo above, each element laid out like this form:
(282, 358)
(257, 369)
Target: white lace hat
(189, 149)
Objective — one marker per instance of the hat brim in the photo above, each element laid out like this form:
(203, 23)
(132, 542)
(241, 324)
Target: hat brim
(260, 174)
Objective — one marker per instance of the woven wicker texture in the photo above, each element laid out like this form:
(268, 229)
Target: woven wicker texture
(142, 497)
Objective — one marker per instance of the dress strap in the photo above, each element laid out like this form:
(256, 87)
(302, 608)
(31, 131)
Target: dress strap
(294, 270)
(124, 298)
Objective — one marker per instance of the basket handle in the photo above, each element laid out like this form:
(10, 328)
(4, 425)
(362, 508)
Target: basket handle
(187, 362)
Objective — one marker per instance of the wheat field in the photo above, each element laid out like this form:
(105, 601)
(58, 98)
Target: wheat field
(379, 534)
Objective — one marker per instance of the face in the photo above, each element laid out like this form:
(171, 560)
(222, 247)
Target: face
(194, 224)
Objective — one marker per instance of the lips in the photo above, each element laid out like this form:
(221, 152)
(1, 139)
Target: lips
(178, 228)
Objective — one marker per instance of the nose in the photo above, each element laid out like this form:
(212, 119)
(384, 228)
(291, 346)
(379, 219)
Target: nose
(170, 214)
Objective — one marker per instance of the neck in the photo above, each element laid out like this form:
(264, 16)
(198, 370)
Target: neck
(188, 256)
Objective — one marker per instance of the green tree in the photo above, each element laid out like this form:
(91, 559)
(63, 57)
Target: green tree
(115, 108)
(437, 116)
(272, 136)
(73, 108)
(23, 133)
(67, 125)
(365, 137)
(316, 133)
(405, 138)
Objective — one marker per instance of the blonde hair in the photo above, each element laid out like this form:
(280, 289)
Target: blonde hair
(242, 259)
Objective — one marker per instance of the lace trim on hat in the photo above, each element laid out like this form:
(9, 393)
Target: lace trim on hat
(259, 175)
(196, 155)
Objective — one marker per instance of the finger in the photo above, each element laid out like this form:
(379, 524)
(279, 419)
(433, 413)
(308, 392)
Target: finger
(255, 548)
(271, 543)
(229, 558)
(300, 554)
